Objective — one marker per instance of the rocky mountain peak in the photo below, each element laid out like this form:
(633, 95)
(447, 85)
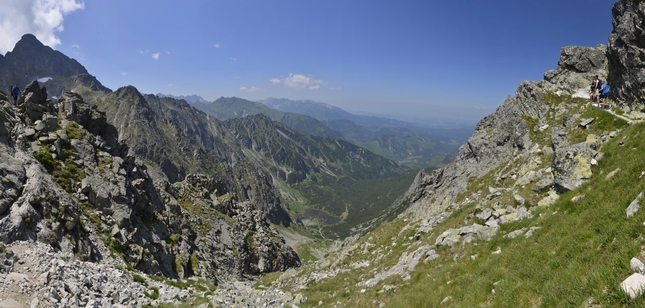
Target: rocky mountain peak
(52, 63)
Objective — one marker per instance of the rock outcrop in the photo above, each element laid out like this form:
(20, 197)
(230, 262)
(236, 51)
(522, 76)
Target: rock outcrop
(576, 66)
(625, 54)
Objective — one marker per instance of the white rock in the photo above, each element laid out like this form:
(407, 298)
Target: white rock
(634, 206)
(637, 266)
(634, 285)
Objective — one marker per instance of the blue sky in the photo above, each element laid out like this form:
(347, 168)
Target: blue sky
(451, 60)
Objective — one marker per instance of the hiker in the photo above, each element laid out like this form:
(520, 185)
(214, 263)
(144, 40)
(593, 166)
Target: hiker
(595, 86)
(602, 98)
(15, 93)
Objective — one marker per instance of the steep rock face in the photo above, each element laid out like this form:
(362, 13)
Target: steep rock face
(497, 138)
(18, 66)
(63, 186)
(576, 66)
(626, 53)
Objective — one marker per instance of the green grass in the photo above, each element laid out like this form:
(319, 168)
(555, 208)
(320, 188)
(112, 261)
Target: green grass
(308, 251)
(74, 131)
(64, 170)
(138, 278)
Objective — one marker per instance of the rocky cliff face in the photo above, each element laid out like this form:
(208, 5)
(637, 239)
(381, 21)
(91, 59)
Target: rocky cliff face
(68, 182)
(31, 60)
(625, 53)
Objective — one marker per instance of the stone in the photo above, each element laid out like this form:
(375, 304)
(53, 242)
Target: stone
(571, 166)
(550, 199)
(10, 303)
(17, 277)
(627, 68)
(634, 285)
(637, 266)
(634, 206)
(431, 255)
(485, 214)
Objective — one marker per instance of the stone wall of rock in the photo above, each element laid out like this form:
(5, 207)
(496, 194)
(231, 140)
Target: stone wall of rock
(576, 66)
(625, 53)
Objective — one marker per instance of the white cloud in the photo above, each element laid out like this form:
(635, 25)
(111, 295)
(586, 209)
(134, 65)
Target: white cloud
(300, 82)
(233, 59)
(216, 45)
(250, 90)
(156, 55)
(171, 85)
(76, 46)
(42, 18)
(143, 51)
(124, 73)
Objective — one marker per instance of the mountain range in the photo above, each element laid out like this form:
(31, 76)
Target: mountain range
(191, 99)
(121, 198)
(409, 145)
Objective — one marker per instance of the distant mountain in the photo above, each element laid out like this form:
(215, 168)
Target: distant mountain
(191, 99)
(409, 144)
(317, 110)
(324, 112)
(225, 108)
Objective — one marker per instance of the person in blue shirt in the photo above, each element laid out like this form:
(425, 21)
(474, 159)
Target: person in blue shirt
(15, 93)
(602, 98)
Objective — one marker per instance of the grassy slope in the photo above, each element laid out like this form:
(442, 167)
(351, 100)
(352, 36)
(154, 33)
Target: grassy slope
(581, 251)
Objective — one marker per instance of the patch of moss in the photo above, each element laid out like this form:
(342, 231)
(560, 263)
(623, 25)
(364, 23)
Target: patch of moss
(74, 131)
(154, 294)
(173, 239)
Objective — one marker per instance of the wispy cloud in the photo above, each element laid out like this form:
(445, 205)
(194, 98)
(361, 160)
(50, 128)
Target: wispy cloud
(76, 46)
(300, 82)
(44, 19)
(216, 45)
(250, 90)
(233, 59)
(156, 55)
(124, 73)
(171, 85)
